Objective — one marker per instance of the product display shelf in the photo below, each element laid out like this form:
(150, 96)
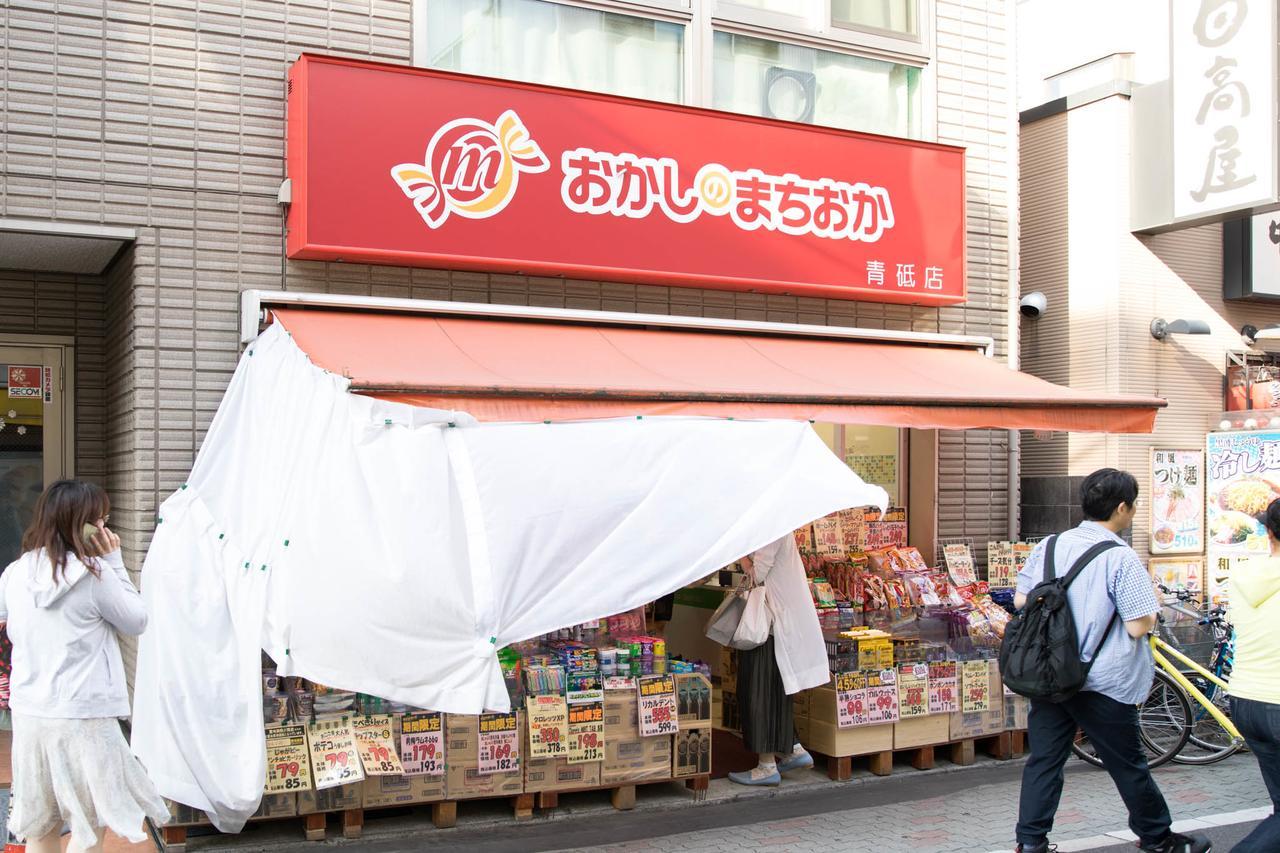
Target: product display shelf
(623, 796)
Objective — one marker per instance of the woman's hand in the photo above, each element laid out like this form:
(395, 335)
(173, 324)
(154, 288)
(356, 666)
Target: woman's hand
(104, 541)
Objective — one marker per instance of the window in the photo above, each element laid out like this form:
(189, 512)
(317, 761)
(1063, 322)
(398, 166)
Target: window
(559, 45)
(895, 16)
(762, 77)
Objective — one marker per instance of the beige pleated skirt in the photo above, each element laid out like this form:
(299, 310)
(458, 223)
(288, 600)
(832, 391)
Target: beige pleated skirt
(81, 773)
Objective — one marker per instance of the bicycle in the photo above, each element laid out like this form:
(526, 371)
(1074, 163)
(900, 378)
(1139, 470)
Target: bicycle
(1211, 735)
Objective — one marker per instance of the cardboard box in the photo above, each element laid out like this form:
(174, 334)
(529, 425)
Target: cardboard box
(978, 724)
(802, 729)
(921, 731)
(272, 806)
(694, 700)
(636, 759)
(462, 762)
(822, 705)
(557, 774)
(387, 791)
(801, 702)
(181, 814)
(336, 799)
(829, 739)
(691, 755)
(621, 714)
(1016, 709)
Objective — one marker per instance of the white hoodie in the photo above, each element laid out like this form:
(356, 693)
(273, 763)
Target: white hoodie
(66, 657)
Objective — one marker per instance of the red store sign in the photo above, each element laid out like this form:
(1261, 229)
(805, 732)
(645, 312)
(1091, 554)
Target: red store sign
(404, 166)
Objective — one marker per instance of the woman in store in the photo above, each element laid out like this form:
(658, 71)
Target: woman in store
(64, 600)
(1254, 595)
(793, 659)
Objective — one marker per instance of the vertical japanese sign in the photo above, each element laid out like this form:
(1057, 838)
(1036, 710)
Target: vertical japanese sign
(975, 686)
(376, 745)
(1223, 80)
(913, 690)
(1177, 501)
(658, 715)
(334, 759)
(1243, 478)
(1002, 570)
(422, 744)
(288, 760)
(944, 687)
(499, 746)
(548, 726)
(851, 699)
(882, 696)
(586, 732)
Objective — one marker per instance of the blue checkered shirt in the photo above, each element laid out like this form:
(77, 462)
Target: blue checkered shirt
(1114, 582)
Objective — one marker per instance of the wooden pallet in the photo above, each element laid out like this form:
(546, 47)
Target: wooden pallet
(444, 814)
(1002, 746)
(623, 797)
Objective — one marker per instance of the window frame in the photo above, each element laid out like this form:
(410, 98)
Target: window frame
(701, 19)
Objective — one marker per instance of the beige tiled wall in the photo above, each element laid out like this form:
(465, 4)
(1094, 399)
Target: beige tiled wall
(168, 117)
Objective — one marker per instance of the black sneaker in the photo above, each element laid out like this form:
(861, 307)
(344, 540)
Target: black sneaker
(1042, 847)
(1179, 843)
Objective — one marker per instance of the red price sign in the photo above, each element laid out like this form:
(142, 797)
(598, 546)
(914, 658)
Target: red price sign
(944, 687)
(586, 732)
(499, 749)
(976, 686)
(882, 697)
(913, 690)
(334, 759)
(657, 696)
(548, 725)
(377, 748)
(422, 744)
(851, 699)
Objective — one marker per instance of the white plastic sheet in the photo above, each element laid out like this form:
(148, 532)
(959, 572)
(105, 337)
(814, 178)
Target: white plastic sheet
(392, 550)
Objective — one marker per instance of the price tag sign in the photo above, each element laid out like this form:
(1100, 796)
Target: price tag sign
(619, 682)
(376, 745)
(975, 686)
(913, 690)
(422, 744)
(499, 750)
(944, 687)
(851, 699)
(334, 758)
(579, 697)
(882, 696)
(288, 760)
(586, 732)
(657, 705)
(959, 560)
(548, 727)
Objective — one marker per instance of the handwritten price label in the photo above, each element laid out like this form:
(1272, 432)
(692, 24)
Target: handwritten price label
(851, 699)
(334, 758)
(499, 749)
(913, 690)
(548, 727)
(944, 687)
(975, 686)
(586, 732)
(376, 745)
(882, 697)
(657, 705)
(288, 761)
(422, 744)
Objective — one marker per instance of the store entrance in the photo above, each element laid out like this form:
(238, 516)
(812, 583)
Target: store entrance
(34, 435)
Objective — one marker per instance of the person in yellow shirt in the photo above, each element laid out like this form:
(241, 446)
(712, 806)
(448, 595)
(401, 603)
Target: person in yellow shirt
(1253, 592)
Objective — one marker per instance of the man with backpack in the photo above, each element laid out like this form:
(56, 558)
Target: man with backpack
(1088, 666)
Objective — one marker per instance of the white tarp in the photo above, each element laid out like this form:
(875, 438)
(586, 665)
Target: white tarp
(392, 550)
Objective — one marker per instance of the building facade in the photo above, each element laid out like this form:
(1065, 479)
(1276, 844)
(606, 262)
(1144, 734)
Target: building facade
(143, 158)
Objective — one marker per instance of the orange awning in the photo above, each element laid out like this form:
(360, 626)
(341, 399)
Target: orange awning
(518, 370)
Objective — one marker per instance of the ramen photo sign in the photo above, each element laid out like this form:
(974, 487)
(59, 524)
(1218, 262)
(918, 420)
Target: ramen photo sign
(1177, 502)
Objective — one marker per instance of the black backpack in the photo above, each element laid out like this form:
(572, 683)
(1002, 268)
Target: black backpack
(1040, 655)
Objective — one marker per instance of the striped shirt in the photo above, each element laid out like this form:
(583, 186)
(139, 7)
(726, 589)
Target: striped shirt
(1115, 581)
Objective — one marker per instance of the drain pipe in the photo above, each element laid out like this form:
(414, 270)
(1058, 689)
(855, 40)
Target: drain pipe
(1015, 267)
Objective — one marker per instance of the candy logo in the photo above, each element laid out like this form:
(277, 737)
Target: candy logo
(472, 168)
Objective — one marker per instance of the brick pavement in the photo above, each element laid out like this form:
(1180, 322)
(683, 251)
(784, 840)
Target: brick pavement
(976, 818)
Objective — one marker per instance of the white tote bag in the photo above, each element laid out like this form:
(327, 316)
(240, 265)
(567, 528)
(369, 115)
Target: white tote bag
(757, 619)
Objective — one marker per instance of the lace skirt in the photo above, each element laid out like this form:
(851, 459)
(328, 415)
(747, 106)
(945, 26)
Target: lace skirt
(78, 772)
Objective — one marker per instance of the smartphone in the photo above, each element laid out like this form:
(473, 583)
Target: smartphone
(88, 531)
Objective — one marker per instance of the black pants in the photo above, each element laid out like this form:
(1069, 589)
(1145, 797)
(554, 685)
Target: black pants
(1259, 722)
(1113, 728)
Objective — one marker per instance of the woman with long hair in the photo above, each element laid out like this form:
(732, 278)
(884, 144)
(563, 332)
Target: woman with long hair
(64, 600)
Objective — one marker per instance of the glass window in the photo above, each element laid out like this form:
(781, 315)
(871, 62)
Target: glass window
(798, 83)
(897, 16)
(544, 42)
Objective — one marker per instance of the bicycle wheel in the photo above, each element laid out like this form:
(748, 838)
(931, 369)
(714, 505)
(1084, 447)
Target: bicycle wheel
(1208, 742)
(1164, 724)
(1164, 720)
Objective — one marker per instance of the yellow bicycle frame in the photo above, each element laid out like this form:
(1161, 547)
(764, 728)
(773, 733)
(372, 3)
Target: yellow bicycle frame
(1157, 647)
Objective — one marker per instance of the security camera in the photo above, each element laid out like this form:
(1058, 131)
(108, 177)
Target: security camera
(1033, 305)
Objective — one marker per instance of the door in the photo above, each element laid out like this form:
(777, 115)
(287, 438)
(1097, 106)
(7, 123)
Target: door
(35, 438)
